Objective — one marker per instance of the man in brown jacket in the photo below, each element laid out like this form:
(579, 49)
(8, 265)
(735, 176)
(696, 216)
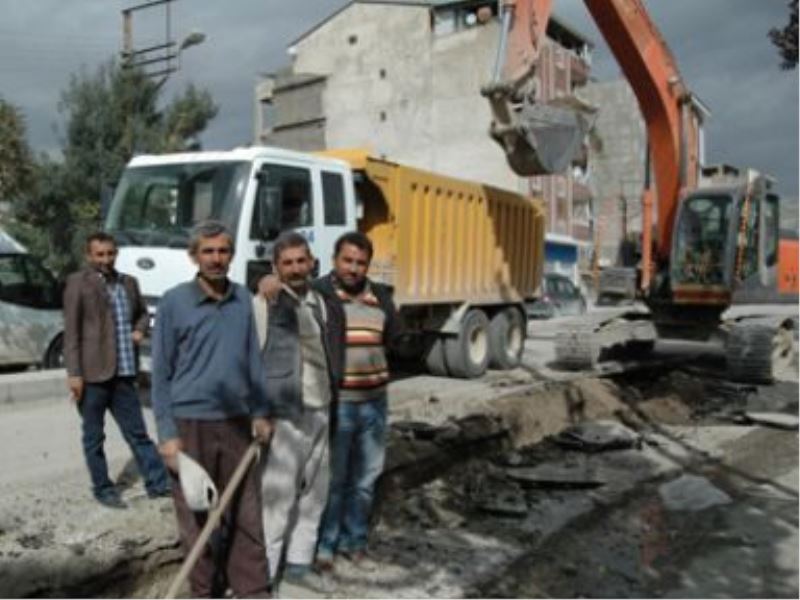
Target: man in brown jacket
(105, 319)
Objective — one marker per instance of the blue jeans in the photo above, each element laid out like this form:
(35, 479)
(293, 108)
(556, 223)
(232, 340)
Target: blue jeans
(119, 396)
(358, 450)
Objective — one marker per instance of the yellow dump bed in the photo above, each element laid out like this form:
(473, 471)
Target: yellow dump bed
(443, 240)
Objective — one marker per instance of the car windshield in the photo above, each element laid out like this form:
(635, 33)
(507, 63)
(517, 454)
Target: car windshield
(25, 282)
(158, 205)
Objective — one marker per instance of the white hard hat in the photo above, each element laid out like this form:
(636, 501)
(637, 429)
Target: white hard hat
(198, 488)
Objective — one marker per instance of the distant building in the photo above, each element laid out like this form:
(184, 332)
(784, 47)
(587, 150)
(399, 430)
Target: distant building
(617, 165)
(403, 79)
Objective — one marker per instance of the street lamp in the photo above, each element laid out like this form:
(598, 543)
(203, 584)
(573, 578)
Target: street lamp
(193, 39)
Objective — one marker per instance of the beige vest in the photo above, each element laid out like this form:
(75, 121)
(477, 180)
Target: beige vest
(315, 378)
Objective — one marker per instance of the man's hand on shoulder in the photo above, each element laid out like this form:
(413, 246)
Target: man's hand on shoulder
(137, 336)
(269, 287)
(262, 430)
(75, 385)
(169, 453)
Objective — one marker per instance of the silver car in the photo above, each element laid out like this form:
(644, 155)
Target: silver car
(31, 321)
(559, 297)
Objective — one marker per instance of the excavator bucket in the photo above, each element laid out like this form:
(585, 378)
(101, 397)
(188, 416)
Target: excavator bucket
(540, 139)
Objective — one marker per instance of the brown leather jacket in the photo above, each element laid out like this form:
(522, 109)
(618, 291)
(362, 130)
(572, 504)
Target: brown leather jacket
(90, 345)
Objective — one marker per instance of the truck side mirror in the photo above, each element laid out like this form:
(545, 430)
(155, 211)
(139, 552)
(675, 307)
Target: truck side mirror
(270, 207)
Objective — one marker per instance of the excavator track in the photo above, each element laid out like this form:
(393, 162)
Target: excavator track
(577, 346)
(756, 352)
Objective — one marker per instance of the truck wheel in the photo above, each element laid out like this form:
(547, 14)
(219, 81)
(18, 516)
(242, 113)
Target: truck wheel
(756, 353)
(54, 357)
(506, 339)
(435, 358)
(467, 354)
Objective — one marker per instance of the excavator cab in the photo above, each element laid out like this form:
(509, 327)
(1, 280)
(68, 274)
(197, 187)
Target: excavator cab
(725, 245)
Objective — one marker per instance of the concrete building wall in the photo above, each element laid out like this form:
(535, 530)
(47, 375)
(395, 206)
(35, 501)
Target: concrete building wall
(405, 93)
(408, 88)
(617, 166)
(369, 98)
(295, 104)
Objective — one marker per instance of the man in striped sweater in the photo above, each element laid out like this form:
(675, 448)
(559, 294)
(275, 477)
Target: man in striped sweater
(358, 420)
(359, 438)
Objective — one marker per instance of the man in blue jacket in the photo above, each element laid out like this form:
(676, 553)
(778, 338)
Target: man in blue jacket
(210, 400)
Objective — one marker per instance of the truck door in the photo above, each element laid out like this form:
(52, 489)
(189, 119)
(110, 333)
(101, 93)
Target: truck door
(284, 200)
(335, 215)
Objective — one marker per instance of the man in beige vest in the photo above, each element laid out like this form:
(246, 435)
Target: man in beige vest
(295, 334)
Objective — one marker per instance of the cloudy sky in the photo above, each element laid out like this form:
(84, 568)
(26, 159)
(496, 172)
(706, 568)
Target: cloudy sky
(721, 47)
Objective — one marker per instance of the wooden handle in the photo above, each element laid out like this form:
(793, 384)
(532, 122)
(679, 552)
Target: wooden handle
(213, 518)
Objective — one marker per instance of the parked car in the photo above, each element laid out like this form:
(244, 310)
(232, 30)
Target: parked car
(559, 297)
(31, 321)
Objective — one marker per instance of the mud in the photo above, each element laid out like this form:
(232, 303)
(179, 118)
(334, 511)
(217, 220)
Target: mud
(480, 499)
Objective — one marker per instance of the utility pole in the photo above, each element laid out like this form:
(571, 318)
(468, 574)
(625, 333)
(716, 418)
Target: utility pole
(157, 60)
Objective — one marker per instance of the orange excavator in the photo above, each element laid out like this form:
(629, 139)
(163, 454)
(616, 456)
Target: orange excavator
(713, 241)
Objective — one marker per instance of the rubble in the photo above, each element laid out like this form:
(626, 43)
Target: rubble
(690, 492)
(540, 492)
(597, 436)
(772, 419)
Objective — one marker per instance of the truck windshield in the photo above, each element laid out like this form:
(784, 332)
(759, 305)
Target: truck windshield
(158, 205)
(700, 252)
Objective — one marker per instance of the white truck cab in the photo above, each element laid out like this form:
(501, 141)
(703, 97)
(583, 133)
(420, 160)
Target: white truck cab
(257, 192)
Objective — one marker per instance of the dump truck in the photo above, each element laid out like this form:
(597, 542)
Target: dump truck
(462, 258)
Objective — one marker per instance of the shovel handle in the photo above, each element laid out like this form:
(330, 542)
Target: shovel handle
(213, 518)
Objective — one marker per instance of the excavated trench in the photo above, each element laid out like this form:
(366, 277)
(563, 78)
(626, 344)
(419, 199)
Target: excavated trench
(501, 499)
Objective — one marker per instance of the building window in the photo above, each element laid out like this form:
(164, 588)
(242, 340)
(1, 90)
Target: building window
(452, 19)
(444, 21)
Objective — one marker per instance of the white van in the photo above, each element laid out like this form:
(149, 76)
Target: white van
(31, 321)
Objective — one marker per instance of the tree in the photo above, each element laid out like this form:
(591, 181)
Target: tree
(786, 39)
(16, 163)
(109, 115)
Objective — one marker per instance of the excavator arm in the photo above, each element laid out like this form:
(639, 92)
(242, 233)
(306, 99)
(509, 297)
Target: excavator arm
(667, 107)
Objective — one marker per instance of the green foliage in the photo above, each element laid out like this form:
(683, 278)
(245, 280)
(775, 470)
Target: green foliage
(16, 164)
(785, 39)
(109, 115)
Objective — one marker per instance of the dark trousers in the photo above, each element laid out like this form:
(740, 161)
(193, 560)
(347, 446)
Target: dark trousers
(218, 446)
(118, 396)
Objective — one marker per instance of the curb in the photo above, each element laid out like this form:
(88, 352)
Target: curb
(32, 386)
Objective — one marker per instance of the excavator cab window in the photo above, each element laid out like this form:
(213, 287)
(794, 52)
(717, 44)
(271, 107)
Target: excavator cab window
(701, 240)
(751, 217)
(770, 224)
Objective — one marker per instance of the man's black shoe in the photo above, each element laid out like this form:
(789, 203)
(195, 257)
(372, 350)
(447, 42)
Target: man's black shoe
(162, 493)
(111, 501)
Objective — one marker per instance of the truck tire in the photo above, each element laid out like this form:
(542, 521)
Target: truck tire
(755, 353)
(435, 358)
(506, 339)
(467, 354)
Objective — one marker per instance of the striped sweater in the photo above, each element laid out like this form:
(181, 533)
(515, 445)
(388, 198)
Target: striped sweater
(366, 372)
